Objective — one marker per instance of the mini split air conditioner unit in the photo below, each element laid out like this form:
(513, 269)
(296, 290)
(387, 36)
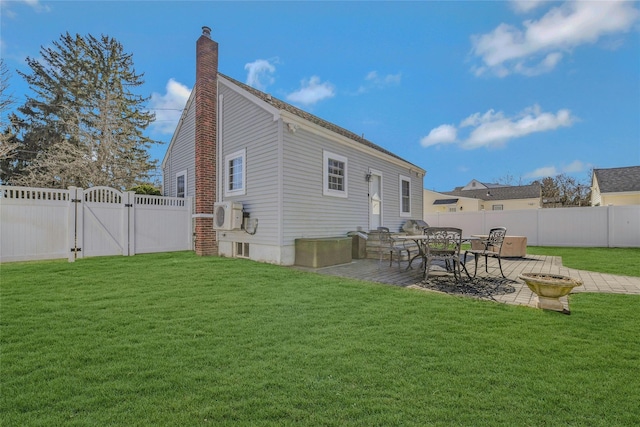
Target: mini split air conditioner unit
(227, 216)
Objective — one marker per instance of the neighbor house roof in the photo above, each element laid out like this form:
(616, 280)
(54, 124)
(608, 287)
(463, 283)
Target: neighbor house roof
(281, 105)
(618, 180)
(499, 192)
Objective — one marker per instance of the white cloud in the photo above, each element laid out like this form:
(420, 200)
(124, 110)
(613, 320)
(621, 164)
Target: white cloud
(538, 46)
(259, 73)
(312, 91)
(444, 134)
(375, 81)
(574, 167)
(168, 107)
(524, 6)
(542, 172)
(495, 129)
(36, 5)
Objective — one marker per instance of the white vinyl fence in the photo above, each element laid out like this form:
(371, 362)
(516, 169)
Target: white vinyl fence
(39, 223)
(601, 226)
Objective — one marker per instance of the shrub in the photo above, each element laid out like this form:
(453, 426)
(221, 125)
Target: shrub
(146, 189)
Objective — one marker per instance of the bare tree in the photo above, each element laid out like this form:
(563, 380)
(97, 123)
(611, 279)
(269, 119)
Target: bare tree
(564, 191)
(8, 145)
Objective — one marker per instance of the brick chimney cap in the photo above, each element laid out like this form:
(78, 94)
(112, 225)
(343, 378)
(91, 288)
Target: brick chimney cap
(206, 31)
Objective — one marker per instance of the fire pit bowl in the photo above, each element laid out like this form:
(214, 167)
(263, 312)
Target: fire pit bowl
(550, 288)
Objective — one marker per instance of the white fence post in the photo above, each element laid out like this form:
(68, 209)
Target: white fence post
(130, 206)
(71, 225)
(75, 223)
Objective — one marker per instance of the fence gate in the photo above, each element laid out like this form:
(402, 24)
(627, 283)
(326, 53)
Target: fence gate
(41, 223)
(103, 222)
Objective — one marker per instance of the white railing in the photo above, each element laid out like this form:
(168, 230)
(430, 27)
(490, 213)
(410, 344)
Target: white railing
(601, 226)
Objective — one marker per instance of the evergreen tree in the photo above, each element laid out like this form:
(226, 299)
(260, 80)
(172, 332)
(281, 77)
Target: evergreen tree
(84, 125)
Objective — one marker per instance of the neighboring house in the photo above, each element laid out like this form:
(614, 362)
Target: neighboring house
(477, 196)
(293, 174)
(615, 186)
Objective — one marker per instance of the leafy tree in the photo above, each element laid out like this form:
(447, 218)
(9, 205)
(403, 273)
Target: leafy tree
(84, 125)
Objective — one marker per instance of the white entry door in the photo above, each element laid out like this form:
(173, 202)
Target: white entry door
(375, 201)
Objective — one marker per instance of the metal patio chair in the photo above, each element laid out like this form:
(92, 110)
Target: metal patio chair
(392, 246)
(491, 248)
(442, 244)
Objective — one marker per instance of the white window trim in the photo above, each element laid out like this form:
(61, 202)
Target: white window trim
(228, 158)
(326, 191)
(401, 180)
(179, 174)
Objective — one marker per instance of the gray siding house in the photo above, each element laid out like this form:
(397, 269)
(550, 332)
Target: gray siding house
(294, 174)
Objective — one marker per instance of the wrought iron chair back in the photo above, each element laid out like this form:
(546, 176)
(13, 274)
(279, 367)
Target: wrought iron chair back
(442, 244)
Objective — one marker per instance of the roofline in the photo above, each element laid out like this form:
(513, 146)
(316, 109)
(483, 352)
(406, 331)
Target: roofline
(294, 113)
(191, 99)
(322, 126)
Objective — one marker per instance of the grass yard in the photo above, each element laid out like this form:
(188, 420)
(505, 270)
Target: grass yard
(622, 261)
(179, 340)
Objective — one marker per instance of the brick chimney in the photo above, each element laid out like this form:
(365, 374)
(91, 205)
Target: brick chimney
(206, 242)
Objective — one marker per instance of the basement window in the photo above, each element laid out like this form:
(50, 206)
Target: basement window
(242, 250)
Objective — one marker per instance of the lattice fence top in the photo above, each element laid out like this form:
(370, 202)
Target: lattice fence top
(31, 193)
(142, 199)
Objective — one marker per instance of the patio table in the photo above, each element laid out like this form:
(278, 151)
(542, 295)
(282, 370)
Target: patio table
(420, 239)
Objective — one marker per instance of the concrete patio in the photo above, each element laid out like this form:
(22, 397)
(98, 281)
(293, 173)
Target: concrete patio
(373, 271)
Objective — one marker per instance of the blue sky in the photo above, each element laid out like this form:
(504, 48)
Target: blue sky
(465, 90)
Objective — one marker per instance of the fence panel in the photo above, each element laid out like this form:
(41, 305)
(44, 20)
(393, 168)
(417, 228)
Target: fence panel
(602, 226)
(162, 224)
(624, 223)
(573, 227)
(33, 223)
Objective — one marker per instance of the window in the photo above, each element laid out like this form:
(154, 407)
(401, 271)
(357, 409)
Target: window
(335, 175)
(497, 207)
(405, 196)
(242, 250)
(181, 184)
(235, 171)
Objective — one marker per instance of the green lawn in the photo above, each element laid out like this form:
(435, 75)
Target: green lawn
(179, 340)
(623, 261)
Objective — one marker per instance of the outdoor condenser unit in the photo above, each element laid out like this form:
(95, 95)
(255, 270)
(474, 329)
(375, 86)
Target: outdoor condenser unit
(227, 216)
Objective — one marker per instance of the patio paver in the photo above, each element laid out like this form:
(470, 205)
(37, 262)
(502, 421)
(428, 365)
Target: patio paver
(374, 271)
